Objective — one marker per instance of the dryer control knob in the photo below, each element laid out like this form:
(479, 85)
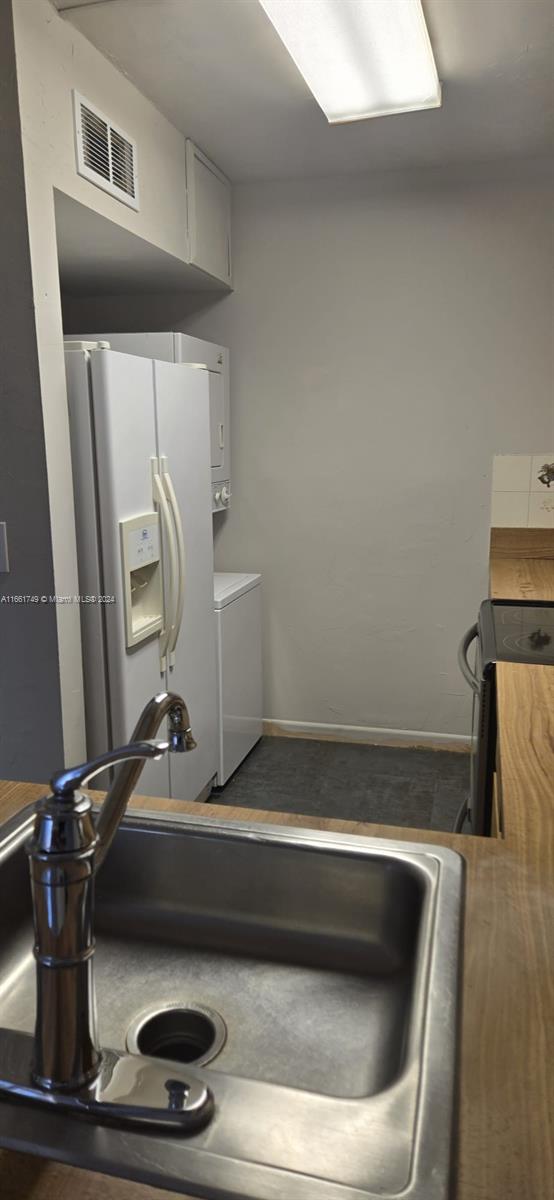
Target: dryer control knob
(217, 497)
(225, 494)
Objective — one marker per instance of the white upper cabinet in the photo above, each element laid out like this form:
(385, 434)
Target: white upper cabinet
(208, 215)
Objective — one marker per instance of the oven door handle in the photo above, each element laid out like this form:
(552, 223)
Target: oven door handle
(463, 664)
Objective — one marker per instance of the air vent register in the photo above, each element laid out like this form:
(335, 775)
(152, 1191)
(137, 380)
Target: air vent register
(105, 155)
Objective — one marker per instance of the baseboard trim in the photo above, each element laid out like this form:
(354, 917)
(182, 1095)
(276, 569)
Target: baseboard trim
(372, 735)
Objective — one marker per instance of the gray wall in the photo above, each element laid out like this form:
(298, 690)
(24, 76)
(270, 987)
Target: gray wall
(387, 338)
(30, 715)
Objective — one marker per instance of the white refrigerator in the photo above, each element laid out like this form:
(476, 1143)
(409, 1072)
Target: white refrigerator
(214, 359)
(140, 441)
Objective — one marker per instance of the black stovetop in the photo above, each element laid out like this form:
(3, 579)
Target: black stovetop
(517, 631)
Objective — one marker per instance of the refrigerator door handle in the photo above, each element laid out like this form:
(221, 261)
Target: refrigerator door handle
(170, 603)
(180, 599)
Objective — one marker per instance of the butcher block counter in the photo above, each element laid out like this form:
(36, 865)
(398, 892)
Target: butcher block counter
(506, 1133)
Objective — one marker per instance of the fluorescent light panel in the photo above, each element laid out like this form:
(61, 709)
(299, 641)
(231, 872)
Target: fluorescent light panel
(360, 58)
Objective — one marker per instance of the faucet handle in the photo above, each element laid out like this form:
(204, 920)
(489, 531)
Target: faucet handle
(65, 783)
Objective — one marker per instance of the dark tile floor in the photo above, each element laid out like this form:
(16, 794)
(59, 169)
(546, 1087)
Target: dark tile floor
(382, 784)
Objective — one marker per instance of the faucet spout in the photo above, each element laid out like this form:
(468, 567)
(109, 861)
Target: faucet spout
(65, 851)
(181, 739)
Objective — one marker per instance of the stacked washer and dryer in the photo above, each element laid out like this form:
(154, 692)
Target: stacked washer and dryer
(237, 597)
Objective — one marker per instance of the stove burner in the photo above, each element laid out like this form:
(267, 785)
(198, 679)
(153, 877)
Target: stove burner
(538, 639)
(532, 643)
(516, 616)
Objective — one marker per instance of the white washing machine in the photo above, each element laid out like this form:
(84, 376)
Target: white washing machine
(238, 612)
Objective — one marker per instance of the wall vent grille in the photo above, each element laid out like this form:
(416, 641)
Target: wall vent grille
(105, 155)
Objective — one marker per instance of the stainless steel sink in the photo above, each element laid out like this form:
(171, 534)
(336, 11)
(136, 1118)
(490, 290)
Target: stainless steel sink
(310, 978)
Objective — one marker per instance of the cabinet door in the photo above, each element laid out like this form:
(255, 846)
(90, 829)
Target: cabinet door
(208, 215)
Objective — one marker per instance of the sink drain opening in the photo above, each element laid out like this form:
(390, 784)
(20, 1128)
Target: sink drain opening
(179, 1033)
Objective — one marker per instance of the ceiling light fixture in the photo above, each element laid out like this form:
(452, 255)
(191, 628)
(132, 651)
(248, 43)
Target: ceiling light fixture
(360, 58)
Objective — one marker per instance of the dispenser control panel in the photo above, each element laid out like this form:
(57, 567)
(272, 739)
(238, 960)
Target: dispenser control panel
(143, 545)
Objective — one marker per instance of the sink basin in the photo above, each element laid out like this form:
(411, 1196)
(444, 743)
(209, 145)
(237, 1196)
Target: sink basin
(311, 979)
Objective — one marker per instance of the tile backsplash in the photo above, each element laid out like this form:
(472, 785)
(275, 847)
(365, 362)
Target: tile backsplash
(523, 490)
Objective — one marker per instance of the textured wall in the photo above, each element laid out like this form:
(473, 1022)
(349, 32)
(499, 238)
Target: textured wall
(384, 345)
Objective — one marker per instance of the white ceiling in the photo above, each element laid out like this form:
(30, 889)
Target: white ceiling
(219, 72)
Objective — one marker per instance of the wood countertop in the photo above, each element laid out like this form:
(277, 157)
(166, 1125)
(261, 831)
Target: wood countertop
(506, 1136)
